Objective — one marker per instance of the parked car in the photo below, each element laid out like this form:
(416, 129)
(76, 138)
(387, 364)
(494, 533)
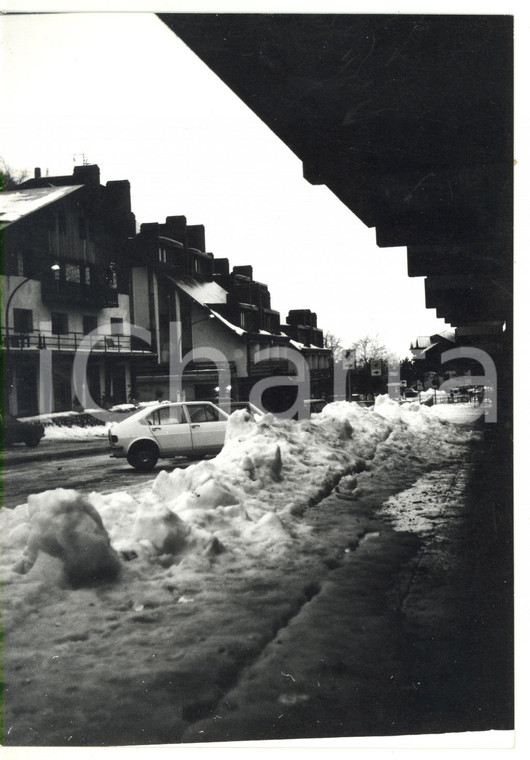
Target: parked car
(18, 431)
(191, 429)
(315, 405)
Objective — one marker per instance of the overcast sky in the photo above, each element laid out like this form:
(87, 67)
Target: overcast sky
(123, 91)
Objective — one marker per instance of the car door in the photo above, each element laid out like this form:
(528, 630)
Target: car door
(169, 426)
(208, 426)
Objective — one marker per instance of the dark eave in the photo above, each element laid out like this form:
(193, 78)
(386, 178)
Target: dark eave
(406, 118)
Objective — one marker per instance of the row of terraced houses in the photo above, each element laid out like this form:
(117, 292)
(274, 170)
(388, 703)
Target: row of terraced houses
(79, 278)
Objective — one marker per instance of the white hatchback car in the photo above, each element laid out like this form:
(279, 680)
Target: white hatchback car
(191, 429)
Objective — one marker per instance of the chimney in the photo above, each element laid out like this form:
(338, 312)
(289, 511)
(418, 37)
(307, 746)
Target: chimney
(246, 271)
(37, 173)
(88, 174)
(196, 237)
(221, 267)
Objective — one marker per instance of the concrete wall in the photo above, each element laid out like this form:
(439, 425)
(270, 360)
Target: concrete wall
(29, 297)
(211, 333)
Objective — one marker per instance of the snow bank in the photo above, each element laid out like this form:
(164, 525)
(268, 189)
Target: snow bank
(75, 432)
(65, 525)
(247, 501)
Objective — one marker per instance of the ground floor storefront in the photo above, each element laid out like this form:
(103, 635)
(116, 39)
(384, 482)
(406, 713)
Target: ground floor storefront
(40, 384)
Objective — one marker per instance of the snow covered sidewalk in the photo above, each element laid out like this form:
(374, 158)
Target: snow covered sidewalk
(200, 575)
(382, 645)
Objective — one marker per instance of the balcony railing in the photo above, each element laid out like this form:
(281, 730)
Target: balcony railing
(97, 294)
(74, 341)
(270, 367)
(204, 367)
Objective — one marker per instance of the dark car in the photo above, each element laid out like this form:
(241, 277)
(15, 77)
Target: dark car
(315, 405)
(236, 406)
(16, 431)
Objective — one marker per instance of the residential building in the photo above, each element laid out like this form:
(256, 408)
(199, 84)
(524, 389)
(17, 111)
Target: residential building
(428, 352)
(65, 286)
(152, 315)
(308, 338)
(175, 280)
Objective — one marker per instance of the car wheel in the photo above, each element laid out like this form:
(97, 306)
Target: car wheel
(33, 440)
(143, 457)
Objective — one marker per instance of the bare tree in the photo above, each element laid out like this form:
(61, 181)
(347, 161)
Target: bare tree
(335, 344)
(370, 347)
(10, 179)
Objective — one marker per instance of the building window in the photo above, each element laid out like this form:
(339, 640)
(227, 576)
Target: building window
(24, 266)
(112, 277)
(90, 323)
(23, 320)
(59, 323)
(246, 320)
(87, 275)
(116, 325)
(72, 273)
(162, 256)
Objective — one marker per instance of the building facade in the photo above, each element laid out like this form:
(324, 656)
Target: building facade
(65, 286)
(98, 314)
(222, 319)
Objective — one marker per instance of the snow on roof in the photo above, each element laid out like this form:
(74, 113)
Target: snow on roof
(176, 243)
(234, 328)
(19, 203)
(307, 346)
(423, 341)
(202, 292)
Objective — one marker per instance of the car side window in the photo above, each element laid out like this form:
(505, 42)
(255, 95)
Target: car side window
(153, 418)
(204, 413)
(167, 415)
(175, 415)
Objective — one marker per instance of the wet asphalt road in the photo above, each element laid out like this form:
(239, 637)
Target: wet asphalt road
(70, 465)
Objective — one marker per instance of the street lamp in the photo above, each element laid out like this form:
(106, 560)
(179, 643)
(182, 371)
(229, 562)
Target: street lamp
(53, 268)
(192, 325)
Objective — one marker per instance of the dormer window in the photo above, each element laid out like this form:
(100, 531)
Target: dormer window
(246, 320)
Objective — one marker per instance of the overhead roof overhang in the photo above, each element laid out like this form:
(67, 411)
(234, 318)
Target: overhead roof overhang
(406, 118)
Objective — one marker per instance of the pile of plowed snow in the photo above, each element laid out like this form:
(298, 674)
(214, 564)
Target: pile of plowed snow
(248, 500)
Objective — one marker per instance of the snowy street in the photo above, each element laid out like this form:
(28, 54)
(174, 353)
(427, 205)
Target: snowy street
(316, 578)
(29, 471)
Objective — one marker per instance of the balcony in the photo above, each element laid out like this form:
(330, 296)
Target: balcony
(269, 367)
(72, 342)
(62, 292)
(205, 367)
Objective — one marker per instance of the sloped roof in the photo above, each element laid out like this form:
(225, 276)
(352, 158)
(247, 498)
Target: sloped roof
(449, 334)
(201, 292)
(423, 341)
(16, 204)
(235, 328)
(205, 293)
